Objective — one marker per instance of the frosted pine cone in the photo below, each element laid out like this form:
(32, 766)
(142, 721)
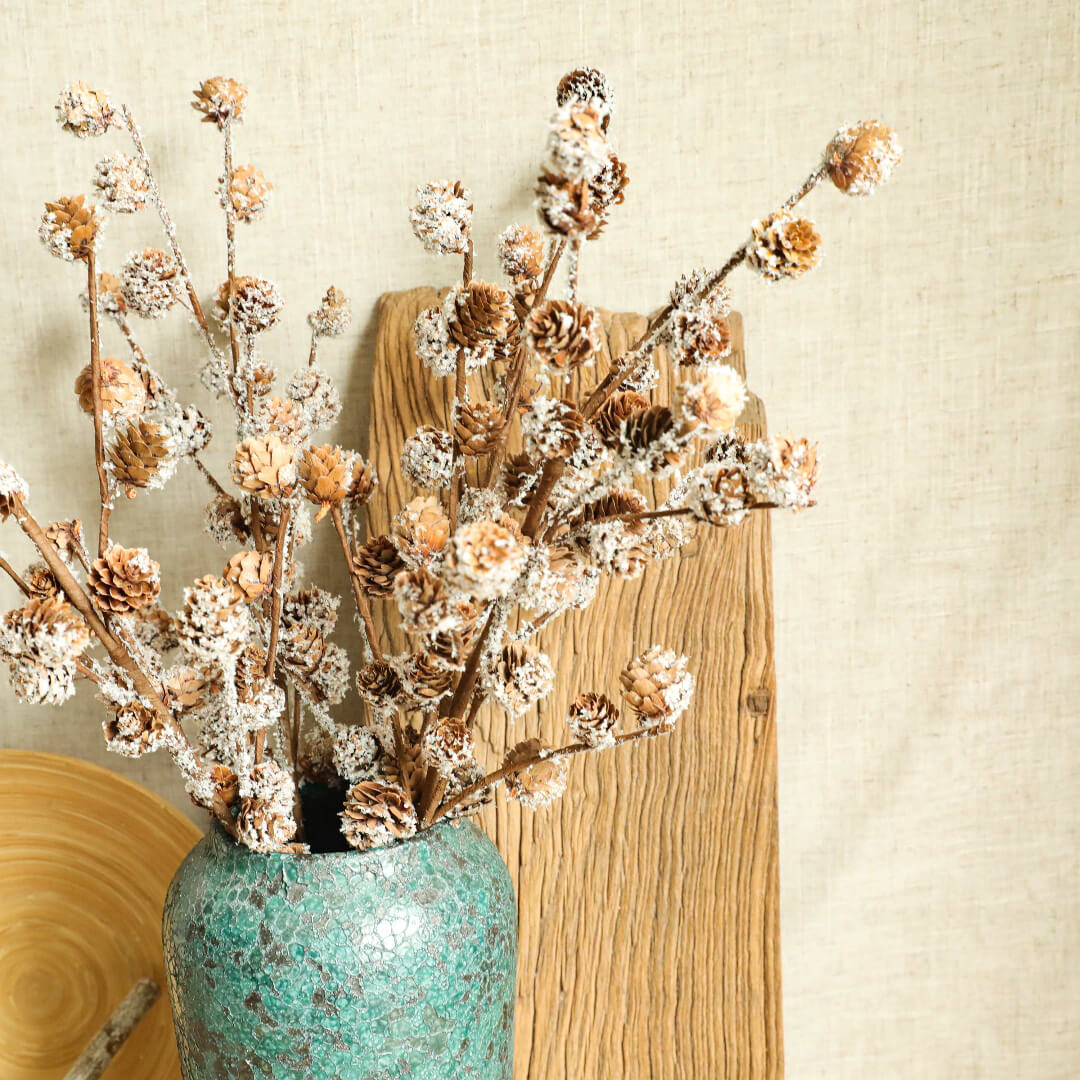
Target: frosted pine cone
(122, 183)
(40, 581)
(256, 304)
(485, 559)
(607, 189)
(425, 678)
(522, 676)
(124, 580)
(423, 602)
(314, 390)
(134, 729)
(718, 494)
(248, 193)
(521, 253)
(265, 821)
(213, 626)
(564, 335)
(420, 531)
(577, 149)
(442, 216)
(355, 752)
(220, 99)
(184, 687)
(311, 607)
(539, 784)
(699, 338)
(284, 417)
(657, 687)
(69, 228)
(478, 427)
(86, 112)
(783, 246)
(861, 157)
(151, 282)
(139, 454)
(66, 536)
(265, 467)
(226, 520)
(566, 206)
(110, 297)
(592, 719)
(332, 317)
(377, 814)
(714, 403)
(520, 475)
(589, 87)
(122, 391)
(251, 572)
(431, 339)
(378, 684)
(427, 458)
(447, 746)
(610, 417)
(650, 441)
(327, 475)
(376, 564)
(47, 630)
(552, 428)
(479, 319)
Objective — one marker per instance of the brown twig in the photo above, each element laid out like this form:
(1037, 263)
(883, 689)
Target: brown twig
(363, 605)
(210, 479)
(7, 568)
(104, 494)
(230, 254)
(275, 587)
(105, 1045)
(467, 264)
(509, 768)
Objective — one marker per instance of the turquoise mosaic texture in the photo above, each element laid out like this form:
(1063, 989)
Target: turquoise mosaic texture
(394, 964)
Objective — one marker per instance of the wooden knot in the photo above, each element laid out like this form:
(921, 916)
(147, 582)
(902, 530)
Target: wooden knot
(759, 700)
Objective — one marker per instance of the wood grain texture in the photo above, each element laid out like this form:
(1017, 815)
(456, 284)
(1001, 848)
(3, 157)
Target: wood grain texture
(649, 896)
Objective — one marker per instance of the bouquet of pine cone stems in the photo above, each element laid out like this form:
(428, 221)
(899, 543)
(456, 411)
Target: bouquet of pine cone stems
(525, 498)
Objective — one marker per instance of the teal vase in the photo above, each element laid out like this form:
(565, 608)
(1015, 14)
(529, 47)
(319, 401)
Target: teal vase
(393, 964)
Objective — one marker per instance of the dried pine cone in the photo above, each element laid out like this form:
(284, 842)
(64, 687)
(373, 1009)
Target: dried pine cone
(256, 304)
(478, 427)
(420, 531)
(326, 474)
(213, 626)
(184, 688)
(485, 559)
(50, 631)
(564, 335)
(124, 580)
(332, 316)
(265, 819)
(538, 784)
(520, 475)
(248, 193)
(377, 814)
(110, 297)
(122, 183)
(783, 246)
(137, 453)
(376, 564)
(592, 719)
(862, 156)
(552, 428)
(69, 228)
(422, 600)
(66, 536)
(721, 496)
(648, 436)
(609, 418)
(251, 572)
(122, 391)
(378, 683)
(220, 99)
(522, 676)
(303, 649)
(151, 282)
(447, 746)
(284, 417)
(134, 729)
(451, 644)
(425, 678)
(657, 687)
(700, 337)
(521, 253)
(427, 458)
(442, 216)
(40, 581)
(566, 206)
(265, 467)
(614, 504)
(226, 520)
(607, 189)
(715, 402)
(85, 112)
(590, 87)
(479, 314)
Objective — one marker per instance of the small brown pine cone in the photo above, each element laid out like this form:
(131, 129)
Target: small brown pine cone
(137, 453)
(408, 772)
(376, 814)
(448, 746)
(589, 86)
(700, 337)
(122, 391)
(378, 683)
(265, 467)
(66, 535)
(323, 477)
(798, 457)
(155, 628)
(124, 580)
(609, 417)
(539, 784)
(615, 503)
(40, 581)
(485, 559)
(521, 676)
(725, 500)
(442, 216)
(332, 316)
(607, 189)
(110, 296)
(251, 572)
(519, 476)
(184, 688)
(376, 564)
(69, 227)
(248, 193)
(220, 99)
(285, 418)
(553, 428)
(302, 649)
(482, 312)
(85, 112)
(566, 206)
(644, 429)
(425, 677)
(257, 304)
(783, 246)
(225, 520)
(420, 530)
(657, 686)
(226, 787)
(451, 646)
(521, 252)
(54, 631)
(592, 719)
(421, 599)
(134, 729)
(479, 425)
(861, 157)
(564, 335)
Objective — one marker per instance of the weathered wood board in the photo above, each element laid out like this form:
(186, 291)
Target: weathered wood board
(649, 896)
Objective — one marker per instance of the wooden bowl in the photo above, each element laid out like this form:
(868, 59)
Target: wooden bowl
(85, 859)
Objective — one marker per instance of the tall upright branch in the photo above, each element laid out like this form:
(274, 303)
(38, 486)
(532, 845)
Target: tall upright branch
(104, 491)
(275, 588)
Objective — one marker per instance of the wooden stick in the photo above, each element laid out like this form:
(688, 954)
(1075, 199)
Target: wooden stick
(230, 256)
(275, 588)
(7, 568)
(104, 494)
(363, 605)
(105, 1045)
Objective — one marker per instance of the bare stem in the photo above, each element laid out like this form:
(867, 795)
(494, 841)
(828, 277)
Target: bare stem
(106, 1044)
(467, 267)
(230, 251)
(104, 494)
(209, 476)
(314, 349)
(7, 568)
(363, 605)
(808, 185)
(275, 586)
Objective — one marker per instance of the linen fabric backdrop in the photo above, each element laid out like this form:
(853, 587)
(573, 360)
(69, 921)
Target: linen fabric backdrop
(926, 634)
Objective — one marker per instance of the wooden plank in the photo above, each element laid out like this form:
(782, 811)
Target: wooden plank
(649, 896)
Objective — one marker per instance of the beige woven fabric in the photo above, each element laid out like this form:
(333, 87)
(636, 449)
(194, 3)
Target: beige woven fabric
(927, 639)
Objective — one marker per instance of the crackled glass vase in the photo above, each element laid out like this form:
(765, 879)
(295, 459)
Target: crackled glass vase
(377, 965)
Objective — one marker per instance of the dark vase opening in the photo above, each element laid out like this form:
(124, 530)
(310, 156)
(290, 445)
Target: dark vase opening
(321, 805)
